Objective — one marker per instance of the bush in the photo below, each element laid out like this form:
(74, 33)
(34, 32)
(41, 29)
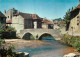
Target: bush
(8, 29)
(8, 33)
(1, 42)
(7, 52)
(73, 41)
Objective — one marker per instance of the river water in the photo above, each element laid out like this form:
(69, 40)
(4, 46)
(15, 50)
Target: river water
(50, 48)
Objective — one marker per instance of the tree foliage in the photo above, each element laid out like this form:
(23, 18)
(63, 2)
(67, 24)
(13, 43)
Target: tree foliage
(8, 29)
(58, 19)
(67, 15)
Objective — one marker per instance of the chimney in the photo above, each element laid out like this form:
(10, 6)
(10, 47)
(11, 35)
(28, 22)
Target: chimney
(4, 11)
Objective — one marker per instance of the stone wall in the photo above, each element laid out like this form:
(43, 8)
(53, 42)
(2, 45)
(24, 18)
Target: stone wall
(18, 23)
(73, 23)
(9, 13)
(55, 33)
(44, 26)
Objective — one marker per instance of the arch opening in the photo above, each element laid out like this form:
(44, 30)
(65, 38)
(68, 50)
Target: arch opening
(28, 36)
(46, 36)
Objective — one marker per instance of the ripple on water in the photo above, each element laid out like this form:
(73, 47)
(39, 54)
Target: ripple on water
(50, 48)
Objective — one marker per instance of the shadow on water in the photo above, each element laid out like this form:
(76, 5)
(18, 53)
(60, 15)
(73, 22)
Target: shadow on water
(28, 36)
(46, 36)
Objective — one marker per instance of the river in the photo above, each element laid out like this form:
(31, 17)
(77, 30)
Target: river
(50, 48)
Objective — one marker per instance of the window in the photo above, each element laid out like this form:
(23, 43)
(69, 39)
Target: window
(8, 16)
(77, 20)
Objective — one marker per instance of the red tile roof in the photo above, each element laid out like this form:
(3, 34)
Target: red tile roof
(28, 16)
(9, 21)
(34, 16)
(47, 21)
(55, 21)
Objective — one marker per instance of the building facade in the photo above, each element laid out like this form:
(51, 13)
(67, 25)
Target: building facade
(75, 20)
(47, 24)
(21, 21)
(9, 14)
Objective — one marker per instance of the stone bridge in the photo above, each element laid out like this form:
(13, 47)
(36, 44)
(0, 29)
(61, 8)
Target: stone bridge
(37, 33)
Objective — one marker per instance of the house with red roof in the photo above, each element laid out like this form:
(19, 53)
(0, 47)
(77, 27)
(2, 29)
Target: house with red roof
(23, 21)
(47, 24)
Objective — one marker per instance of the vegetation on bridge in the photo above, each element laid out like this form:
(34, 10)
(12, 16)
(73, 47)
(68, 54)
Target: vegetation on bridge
(73, 41)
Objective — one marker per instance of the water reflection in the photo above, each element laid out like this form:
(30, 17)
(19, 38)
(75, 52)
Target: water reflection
(48, 38)
(50, 48)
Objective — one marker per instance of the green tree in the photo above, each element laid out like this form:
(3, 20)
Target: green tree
(67, 17)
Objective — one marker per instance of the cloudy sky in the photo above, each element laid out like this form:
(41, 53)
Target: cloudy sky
(50, 9)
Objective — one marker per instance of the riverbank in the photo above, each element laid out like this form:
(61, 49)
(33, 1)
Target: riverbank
(68, 49)
(20, 43)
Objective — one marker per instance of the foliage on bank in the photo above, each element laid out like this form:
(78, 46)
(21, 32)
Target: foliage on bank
(7, 32)
(73, 41)
(6, 52)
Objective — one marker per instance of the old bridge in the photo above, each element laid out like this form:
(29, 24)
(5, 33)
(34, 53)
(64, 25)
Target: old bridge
(38, 33)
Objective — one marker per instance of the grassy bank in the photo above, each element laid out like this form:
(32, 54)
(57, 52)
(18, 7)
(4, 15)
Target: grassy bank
(73, 41)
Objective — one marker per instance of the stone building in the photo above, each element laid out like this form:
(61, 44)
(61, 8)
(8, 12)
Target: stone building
(21, 21)
(9, 14)
(2, 19)
(47, 24)
(75, 20)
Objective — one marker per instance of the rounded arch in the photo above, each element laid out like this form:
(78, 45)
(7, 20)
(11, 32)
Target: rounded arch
(45, 35)
(28, 36)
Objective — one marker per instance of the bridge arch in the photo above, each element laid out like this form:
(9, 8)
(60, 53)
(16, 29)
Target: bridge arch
(37, 33)
(28, 36)
(45, 35)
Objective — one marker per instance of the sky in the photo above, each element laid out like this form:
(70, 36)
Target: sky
(50, 9)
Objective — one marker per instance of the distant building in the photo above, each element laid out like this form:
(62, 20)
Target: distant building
(58, 24)
(75, 20)
(47, 24)
(2, 19)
